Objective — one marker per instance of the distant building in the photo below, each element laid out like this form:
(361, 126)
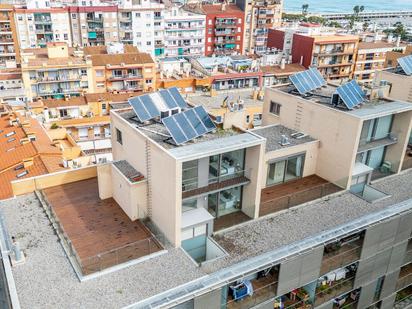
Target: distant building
(9, 48)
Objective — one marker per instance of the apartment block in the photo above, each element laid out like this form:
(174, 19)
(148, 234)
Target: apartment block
(333, 54)
(37, 27)
(11, 86)
(362, 143)
(9, 47)
(260, 16)
(131, 18)
(184, 33)
(229, 72)
(93, 25)
(56, 71)
(119, 67)
(371, 57)
(224, 29)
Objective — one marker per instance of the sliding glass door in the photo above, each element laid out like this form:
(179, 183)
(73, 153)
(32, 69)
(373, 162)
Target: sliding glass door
(285, 170)
(225, 202)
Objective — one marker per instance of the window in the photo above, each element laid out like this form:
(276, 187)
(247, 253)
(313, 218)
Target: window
(119, 136)
(148, 43)
(83, 72)
(247, 118)
(99, 73)
(137, 14)
(285, 170)
(274, 108)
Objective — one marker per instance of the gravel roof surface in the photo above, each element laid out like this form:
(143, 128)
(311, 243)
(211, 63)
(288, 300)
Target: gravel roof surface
(273, 135)
(47, 280)
(260, 236)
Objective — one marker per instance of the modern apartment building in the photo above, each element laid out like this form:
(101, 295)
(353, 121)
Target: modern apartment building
(333, 54)
(93, 25)
(9, 47)
(133, 16)
(224, 29)
(38, 26)
(119, 67)
(184, 33)
(371, 57)
(201, 186)
(260, 16)
(56, 71)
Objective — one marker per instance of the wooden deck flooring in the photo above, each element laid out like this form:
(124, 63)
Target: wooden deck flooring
(295, 192)
(96, 226)
(229, 220)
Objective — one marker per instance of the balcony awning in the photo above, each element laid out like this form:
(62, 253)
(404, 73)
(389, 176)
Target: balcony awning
(92, 35)
(195, 217)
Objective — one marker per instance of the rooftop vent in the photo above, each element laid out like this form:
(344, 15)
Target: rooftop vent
(27, 162)
(298, 135)
(10, 134)
(284, 140)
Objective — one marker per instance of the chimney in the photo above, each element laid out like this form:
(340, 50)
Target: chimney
(283, 64)
(27, 162)
(398, 41)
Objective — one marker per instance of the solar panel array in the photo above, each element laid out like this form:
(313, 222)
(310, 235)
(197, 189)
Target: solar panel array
(351, 94)
(307, 81)
(406, 64)
(147, 106)
(189, 124)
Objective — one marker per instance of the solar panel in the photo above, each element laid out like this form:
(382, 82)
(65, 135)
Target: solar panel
(307, 81)
(168, 99)
(150, 106)
(139, 109)
(351, 94)
(406, 64)
(189, 124)
(177, 97)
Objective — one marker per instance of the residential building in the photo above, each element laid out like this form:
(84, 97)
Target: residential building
(224, 28)
(119, 67)
(392, 56)
(184, 33)
(333, 54)
(194, 190)
(56, 71)
(93, 25)
(9, 47)
(11, 86)
(279, 74)
(260, 16)
(229, 72)
(38, 26)
(131, 18)
(371, 57)
(360, 143)
(26, 151)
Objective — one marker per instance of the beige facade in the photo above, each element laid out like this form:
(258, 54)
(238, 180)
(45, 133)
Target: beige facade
(400, 85)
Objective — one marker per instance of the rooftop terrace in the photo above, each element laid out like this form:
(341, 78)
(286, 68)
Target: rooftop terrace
(27, 221)
(368, 109)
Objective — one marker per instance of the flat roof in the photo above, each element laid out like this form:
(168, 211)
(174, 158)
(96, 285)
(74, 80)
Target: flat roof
(156, 131)
(37, 282)
(273, 135)
(366, 110)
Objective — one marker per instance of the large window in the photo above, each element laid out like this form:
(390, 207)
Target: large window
(274, 108)
(226, 165)
(189, 175)
(375, 129)
(119, 137)
(225, 202)
(285, 170)
(372, 158)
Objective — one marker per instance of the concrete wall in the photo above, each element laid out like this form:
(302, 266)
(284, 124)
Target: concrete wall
(104, 180)
(311, 158)
(29, 185)
(401, 85)
(333, 128)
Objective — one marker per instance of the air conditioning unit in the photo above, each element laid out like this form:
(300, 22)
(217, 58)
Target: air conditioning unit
(218, 119)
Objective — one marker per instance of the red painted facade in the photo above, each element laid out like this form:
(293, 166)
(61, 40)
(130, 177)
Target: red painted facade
(302, 49)
(276, 39)
(224, 29)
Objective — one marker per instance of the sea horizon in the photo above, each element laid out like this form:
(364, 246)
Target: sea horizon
(326, 6)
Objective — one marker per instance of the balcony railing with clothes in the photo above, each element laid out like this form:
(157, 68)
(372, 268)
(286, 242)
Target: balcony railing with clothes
(326, 292)
(346, 255)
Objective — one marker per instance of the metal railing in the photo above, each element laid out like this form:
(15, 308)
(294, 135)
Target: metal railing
(392, 137)
(335, 261)
(404, 281)
(259, 296)
(297, 198)
(336, 289)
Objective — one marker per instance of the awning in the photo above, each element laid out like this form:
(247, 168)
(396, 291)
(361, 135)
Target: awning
(195, 217)
(92, 35)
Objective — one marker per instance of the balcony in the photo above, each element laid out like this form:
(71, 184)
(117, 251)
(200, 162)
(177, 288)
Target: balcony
(403, 298)
(405, 277)
(97, 232)
(327, 290)
(295, 192)
(42, 21)
(53, 79)
(408, 254)
(342, 253)
(190, 186)
(372, 143)
(264, 288)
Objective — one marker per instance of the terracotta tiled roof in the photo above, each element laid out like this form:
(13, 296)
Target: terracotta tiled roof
(373, 45)
(83, 121)
(13, 152)
(112, 97)
(276, 70)
(217, 9)
(117, 59)
(72, 101)
(102, 50)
